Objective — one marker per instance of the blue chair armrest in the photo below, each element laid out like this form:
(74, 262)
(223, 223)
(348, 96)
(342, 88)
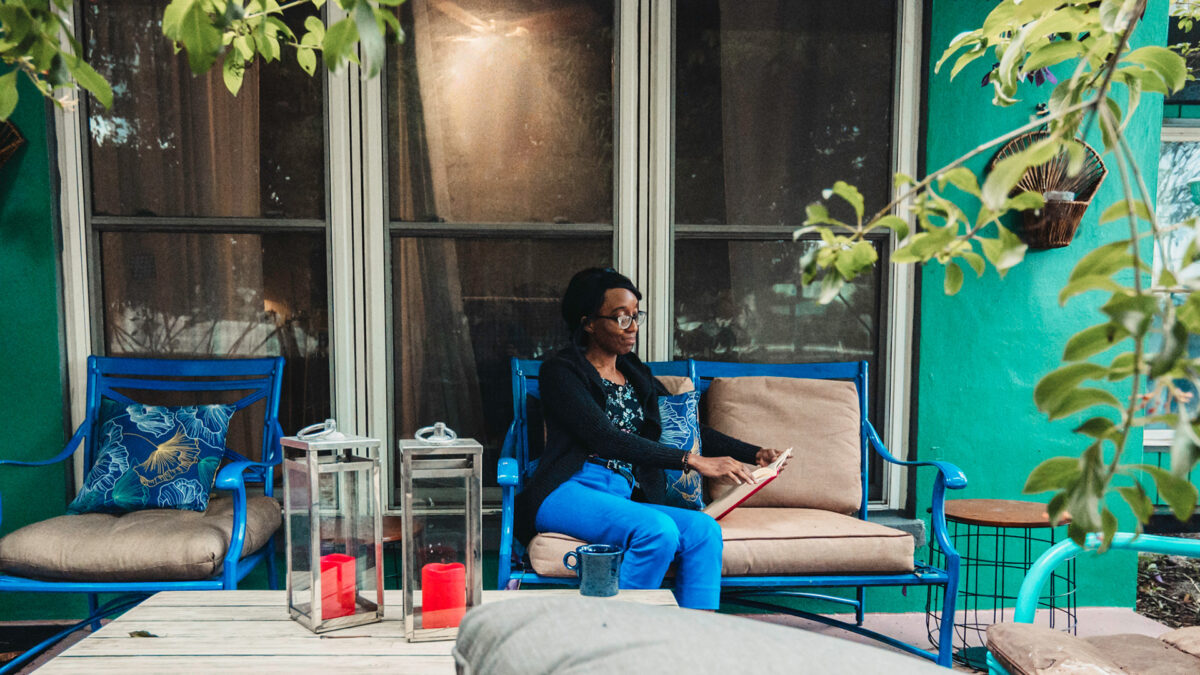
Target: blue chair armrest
(232, 476)
(1044, 566)
(953, 476)
(71, 447)
(506, 472)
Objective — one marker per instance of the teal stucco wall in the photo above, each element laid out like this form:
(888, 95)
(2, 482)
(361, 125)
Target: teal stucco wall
(983, 350)
(31, 359)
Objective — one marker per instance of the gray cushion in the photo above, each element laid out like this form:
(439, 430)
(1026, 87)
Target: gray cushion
(1037, 650)
(532, 635)
(150, 545)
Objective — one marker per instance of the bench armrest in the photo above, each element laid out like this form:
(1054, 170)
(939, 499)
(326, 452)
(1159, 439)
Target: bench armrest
(953, 476)
(232, 478)
(71, 447)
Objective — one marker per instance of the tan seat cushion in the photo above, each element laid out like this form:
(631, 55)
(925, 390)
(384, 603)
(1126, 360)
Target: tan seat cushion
(1038, 650)
(1029, 649)
(151, 545)
(777, 541)
(818, 419)
(677, 384)
(772, 541)
(1186, 640)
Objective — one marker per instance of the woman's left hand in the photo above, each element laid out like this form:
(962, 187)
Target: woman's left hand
(767, 455)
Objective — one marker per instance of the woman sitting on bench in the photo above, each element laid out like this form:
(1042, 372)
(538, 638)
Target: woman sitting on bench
(600, 404)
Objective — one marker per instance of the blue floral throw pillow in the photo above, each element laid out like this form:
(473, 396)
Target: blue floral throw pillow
(154, 457)
(681, 430)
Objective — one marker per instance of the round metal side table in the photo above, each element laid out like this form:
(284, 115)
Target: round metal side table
(998, 540)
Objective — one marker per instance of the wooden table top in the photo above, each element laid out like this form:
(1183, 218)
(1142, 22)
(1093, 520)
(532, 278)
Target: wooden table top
(999, 513)
(250, 631)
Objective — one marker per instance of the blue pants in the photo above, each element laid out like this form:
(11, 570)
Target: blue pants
(594, 506)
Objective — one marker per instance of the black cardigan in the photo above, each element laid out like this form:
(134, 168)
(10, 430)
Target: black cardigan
(577, 426)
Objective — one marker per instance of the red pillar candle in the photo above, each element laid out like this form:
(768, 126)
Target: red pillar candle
(443, 594)
(339, 585)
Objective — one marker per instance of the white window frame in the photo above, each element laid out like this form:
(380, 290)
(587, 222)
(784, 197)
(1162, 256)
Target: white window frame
(643, 241)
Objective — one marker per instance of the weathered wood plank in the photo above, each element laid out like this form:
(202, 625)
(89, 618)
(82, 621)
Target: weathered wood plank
(179, 665)
(258, 645)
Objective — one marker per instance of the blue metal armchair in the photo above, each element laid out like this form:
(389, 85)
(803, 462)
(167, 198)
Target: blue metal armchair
(224, 543)
(771, 592)
(1011, 646)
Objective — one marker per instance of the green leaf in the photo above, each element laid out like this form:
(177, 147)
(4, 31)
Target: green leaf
(202, 40)
(315, 26)
(87, 77)
(1055, 473)
(1174, 346)
(307, 59)
(895, 224)
(1057, 384)
(1108, 527)
(961, 178)
(1026, 201)
(338, 43)
(233, 70)
(374, 49)
(1004, 252)
(173, 17)
(1167, 64)
(1089, 283)
(1120, 210)
(831, 285)
(1081, 399)
(1104, 260)
(1096, 427)
(1134, 313)
(1052, 53)
(1189, 313)
(851, 263)
(1138, 501)
(1179, 494)
(954, 279)
(8, 94)
(975, 261)
(1091, 341)
(849, 193)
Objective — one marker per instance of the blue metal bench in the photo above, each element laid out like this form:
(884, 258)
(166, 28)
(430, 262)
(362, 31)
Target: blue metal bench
(763, 592)
(252, 380)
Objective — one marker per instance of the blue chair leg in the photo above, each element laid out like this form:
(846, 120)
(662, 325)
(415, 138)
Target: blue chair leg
(860, 609)
(946, 630)
(94, 610)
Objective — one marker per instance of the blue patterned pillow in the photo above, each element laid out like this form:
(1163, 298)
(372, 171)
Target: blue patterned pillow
(681, 430)
(154, 457)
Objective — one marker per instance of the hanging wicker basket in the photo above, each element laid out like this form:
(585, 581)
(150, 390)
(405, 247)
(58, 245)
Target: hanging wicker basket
(1054, 225)
(10, 140)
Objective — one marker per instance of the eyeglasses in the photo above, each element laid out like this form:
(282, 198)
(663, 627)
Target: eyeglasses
(624, 320)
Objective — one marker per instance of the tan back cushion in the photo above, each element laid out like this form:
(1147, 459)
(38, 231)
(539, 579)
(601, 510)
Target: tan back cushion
(677, 384)
(818, 419)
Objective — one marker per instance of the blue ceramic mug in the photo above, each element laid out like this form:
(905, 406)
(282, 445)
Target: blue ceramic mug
(598, 567)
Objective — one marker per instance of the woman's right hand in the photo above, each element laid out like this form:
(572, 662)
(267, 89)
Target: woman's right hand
(721, 467)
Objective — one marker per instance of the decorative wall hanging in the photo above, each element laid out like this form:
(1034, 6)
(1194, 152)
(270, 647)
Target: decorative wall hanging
(1067, 197)
(10, 140)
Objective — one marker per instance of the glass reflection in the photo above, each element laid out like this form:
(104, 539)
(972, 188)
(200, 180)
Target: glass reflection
(461, 308)
(202, 295)
(502, 112)
(174, 144)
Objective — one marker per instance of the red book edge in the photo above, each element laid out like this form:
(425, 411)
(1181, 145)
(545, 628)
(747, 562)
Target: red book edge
(757, 486)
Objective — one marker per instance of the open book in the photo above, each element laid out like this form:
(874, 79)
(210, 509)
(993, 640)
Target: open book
(763, 475)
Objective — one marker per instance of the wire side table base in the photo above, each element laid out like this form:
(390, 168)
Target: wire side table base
(998, 540)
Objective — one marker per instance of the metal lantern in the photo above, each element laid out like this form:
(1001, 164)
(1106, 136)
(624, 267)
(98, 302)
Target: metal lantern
(441, 492)
(334, 523)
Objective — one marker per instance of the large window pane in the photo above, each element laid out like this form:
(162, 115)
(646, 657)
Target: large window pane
(741, 301)
(774, 100)
(502, 112)
(204, 295)
(174, 144)
(461, 309)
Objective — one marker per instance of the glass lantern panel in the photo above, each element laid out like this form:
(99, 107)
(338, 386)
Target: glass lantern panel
(442, 551)
(348, 545)
(299, 534)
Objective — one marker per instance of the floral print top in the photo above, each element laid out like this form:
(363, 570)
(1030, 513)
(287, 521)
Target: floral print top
(622, 407)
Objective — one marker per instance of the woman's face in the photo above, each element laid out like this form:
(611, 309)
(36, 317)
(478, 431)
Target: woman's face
(604, 333)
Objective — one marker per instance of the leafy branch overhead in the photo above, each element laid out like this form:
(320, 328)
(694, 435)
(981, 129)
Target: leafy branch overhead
(1091, 40)
(37, 41)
